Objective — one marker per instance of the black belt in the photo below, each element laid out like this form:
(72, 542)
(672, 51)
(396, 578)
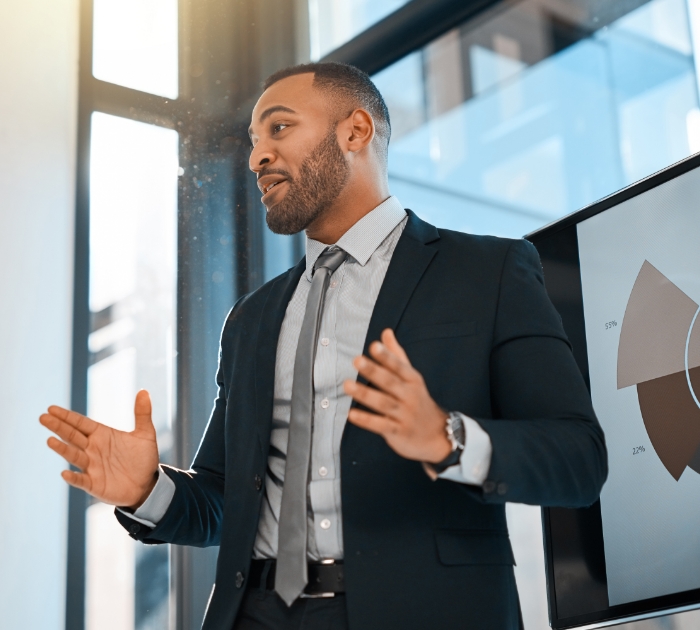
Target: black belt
(326, 579)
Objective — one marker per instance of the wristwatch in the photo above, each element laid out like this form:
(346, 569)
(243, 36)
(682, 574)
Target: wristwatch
(457, 435)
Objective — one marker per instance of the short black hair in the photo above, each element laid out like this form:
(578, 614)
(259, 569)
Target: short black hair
(351, 87)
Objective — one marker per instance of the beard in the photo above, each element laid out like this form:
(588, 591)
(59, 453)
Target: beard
(322, 176)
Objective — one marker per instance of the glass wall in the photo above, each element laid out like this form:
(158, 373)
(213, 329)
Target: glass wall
(280, 252)
(531, 112)
(135, 44)
(541, 109)
(133, 273)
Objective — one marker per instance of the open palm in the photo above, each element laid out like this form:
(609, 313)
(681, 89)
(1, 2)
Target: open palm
(117, 467)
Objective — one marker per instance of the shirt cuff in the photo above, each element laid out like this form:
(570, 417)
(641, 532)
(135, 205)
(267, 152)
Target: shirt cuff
(475, 461)
(156, 504)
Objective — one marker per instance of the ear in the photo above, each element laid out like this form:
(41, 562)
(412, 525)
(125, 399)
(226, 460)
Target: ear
(357, 130)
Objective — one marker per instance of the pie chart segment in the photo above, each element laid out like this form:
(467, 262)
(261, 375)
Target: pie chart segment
(672, 419)
(660, 332)
(654, 330)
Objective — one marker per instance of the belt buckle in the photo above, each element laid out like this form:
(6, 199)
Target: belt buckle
(319, 595)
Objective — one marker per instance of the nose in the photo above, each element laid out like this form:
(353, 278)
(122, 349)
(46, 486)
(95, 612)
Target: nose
(260, 157)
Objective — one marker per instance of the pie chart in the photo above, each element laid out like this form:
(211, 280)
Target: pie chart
(659, 353)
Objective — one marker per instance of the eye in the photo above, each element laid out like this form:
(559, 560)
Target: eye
(277, 127)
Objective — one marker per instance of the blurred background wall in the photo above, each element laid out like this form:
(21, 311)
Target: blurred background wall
(38, 112)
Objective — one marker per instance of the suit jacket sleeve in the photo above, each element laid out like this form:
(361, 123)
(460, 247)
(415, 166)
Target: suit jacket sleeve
(195, 513)
(548, 447)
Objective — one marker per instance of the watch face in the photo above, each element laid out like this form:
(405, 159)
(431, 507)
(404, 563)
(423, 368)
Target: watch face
(458, 431)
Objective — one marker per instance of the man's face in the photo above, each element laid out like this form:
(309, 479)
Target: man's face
(300, 166)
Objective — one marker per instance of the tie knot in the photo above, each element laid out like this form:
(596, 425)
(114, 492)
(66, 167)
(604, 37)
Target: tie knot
(330, 259)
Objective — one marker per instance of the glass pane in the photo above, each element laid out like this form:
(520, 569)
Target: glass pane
(539, 109)
(133, 275)
(135, 44)
(109, 572)
(280, 252)
(334, 22)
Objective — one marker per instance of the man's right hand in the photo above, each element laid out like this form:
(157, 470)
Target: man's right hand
(116, 467)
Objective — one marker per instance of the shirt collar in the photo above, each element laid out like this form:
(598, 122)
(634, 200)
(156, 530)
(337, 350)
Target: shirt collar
(363, 238)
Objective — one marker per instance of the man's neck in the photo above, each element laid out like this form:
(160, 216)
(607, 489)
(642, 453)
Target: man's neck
(347, 210)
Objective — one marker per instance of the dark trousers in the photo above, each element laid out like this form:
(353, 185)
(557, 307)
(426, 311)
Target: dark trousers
(264, 610)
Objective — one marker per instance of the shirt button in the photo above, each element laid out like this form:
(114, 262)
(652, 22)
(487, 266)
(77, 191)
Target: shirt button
(323, 471)
(325, 341)
(325, 523)
(334, 284)
(258, 482)
(325, 403)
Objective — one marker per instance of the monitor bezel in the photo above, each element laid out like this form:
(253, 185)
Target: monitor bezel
(647, 608)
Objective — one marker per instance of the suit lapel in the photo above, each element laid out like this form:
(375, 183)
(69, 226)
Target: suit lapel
(408, 264)
(411, 258)
(266, 349)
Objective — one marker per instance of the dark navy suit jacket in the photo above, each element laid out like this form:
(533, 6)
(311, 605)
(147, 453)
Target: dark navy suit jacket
(475, 320)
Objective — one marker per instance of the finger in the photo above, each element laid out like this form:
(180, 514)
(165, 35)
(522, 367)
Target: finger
(63, 430)
(380, 425)
(142, 412)
(389, 339)
(374, 399)
(380, 376)
(391, 361)
(82, 423)
(77, 479)
(70, 453)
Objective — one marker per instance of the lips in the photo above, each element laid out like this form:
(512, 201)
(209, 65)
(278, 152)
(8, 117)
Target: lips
(272, 191)
(266, 183)
(269, 187)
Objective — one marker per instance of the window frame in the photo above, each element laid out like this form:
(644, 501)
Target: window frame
(93, 96)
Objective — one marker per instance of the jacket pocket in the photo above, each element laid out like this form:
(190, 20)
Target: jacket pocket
(457, 547)
(439, 331)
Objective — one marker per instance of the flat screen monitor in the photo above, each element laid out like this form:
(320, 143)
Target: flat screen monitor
(624, 274)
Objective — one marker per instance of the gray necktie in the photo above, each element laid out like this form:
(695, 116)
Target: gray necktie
(291, 573)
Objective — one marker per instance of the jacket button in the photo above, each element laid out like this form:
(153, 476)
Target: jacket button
(502, 488)
(258, 482)
(489, 486)
(134, 529)
(239, 579)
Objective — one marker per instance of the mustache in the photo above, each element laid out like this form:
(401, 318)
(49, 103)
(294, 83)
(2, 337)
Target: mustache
(275, 171)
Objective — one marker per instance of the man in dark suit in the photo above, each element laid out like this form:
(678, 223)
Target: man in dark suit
(442, 351)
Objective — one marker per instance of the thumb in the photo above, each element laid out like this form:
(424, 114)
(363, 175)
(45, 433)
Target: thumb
(142, 412)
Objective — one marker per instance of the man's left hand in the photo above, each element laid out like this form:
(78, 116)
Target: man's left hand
(407, 417)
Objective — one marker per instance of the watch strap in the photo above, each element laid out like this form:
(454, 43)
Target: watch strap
(451, 460)
(454, 427)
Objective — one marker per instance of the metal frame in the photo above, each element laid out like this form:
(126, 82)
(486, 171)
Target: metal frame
(409, 28)
(219, 227)
(77, 500)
